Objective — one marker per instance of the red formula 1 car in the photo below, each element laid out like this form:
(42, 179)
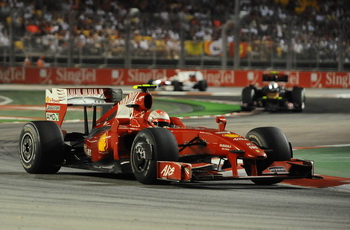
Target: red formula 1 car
(131, 138)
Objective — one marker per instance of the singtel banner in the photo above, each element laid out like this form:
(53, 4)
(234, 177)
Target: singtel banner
(115, 77)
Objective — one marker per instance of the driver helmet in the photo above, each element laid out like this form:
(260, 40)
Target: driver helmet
(273, 86)
(159, 118)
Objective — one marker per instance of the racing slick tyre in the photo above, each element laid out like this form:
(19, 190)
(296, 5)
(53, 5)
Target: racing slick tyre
(248, 99)
(298, 99)
(202, 85)
(177, 85)
(277, 148)
(149, 146)
(41, 147)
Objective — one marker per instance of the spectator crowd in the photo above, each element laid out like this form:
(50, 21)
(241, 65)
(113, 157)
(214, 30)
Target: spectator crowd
(309, 28)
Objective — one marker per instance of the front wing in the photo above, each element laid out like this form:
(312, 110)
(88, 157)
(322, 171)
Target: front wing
(187, 172)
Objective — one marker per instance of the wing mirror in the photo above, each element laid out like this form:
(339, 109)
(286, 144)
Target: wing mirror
(222, 123)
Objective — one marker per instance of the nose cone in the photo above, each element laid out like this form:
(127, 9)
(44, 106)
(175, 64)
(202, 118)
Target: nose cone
(252, 151)
(255, 154)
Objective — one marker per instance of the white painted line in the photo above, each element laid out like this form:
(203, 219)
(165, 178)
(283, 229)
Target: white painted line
(5, 100)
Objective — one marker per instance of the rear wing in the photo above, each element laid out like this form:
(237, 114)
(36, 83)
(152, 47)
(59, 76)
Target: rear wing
(58, 99)
(275, 77)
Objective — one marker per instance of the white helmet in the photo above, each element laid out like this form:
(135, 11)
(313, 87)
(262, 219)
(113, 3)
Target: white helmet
(159, 118)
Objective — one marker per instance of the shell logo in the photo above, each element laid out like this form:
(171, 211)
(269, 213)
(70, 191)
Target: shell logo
(102, 143)
(231, 135)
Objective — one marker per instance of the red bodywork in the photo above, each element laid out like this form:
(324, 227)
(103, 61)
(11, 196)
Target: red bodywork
(112, 134)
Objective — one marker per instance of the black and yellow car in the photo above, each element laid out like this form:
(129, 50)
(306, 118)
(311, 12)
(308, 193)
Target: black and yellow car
(273, 96)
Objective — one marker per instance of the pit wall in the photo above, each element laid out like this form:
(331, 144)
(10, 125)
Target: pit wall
(119, 77)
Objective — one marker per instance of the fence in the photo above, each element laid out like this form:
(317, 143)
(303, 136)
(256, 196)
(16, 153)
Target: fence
(140, 40)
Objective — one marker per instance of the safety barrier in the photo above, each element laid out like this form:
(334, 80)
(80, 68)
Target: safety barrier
(115, 77)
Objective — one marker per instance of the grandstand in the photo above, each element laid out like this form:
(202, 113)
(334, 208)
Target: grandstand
(282, 34)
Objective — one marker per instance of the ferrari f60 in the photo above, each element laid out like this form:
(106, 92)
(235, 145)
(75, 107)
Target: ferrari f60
(131, 138)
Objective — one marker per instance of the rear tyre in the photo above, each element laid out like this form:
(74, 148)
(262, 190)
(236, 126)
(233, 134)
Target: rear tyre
(149, 146)
(202, 85)
(41, 147)
(177, 85)
(273, 139)
(298, 99)
(248, 99)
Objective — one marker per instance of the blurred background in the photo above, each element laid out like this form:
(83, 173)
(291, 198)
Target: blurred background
(218, 34)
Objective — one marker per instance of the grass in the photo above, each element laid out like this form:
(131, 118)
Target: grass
(333, 161)
(25, 97)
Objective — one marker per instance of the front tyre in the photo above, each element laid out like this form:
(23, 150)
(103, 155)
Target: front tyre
(149, 146)
(202, 85)
(177, 85)
(278, 149)
(41, 147)
(298, 99)
(248, 94)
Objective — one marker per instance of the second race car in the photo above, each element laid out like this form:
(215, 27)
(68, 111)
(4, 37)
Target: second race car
(183, 80)
(273, 96)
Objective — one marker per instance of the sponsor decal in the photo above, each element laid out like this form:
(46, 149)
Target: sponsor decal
(252, 146)
(52, 116)
(213, 48)
(253, 77)
(187, 171)
(293, 78)
(315, 80)
(277, 169)
(52, 100)
(87, 150)
(334, 79)
(91, 76)
(102, 143)
(225, 147)
(76, 75)
(239, 139)
(43, 73)
(56, 96)
(143, 75)
(12, 74)
(167, 171)
(53, 107)
(219, 77)
(117, 77)
(231, 135)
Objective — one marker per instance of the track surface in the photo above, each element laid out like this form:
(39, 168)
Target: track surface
(76, 199)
